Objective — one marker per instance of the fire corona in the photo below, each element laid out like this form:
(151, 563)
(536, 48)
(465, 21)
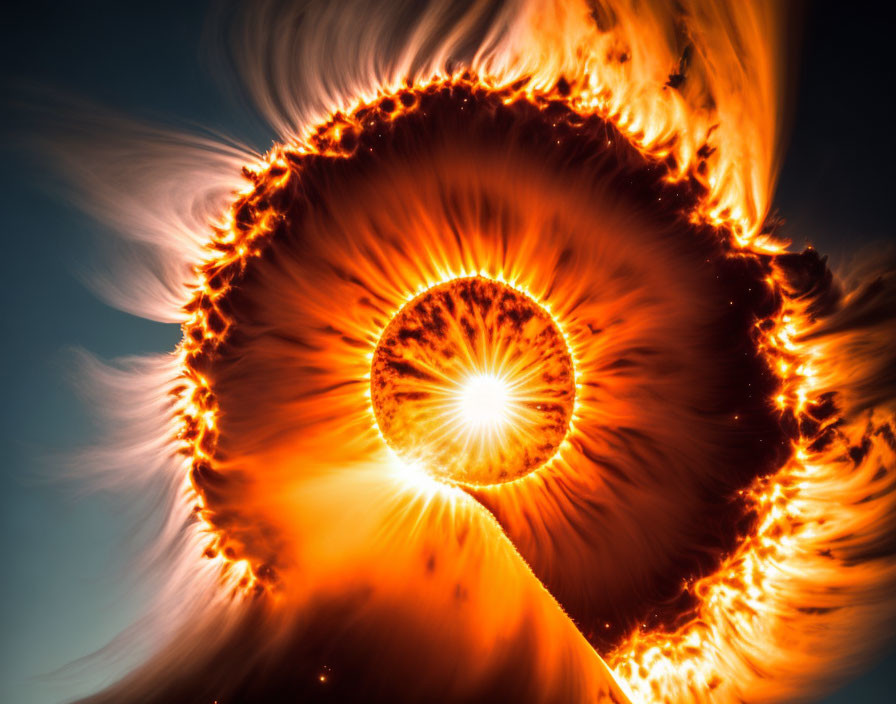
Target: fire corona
(473, 379)
(526, 250)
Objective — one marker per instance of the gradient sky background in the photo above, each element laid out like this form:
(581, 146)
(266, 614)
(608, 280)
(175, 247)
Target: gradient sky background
(63, 592)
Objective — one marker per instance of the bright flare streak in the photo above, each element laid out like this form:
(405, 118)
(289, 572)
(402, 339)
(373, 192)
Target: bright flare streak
(484, 402)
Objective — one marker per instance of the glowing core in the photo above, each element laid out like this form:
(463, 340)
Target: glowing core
(473, 380)
(484, 402)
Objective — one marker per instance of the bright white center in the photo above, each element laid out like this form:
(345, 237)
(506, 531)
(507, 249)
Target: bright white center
(484, 401)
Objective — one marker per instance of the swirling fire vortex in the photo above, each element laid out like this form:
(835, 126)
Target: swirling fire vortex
(545, 276)
(452, 339)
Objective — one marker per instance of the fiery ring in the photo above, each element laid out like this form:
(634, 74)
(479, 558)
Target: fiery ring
(731, 600)
(790, 546)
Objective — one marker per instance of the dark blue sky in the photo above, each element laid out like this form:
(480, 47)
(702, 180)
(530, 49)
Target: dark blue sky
(62, 593)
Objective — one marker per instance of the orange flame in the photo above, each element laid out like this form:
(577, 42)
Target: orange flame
(697, 90)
